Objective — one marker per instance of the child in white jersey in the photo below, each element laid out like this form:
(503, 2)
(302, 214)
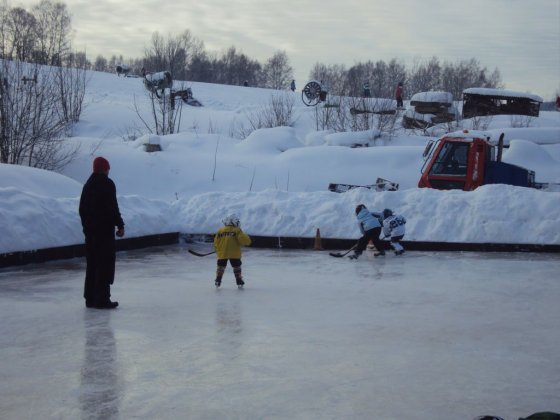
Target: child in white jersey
(393, 227)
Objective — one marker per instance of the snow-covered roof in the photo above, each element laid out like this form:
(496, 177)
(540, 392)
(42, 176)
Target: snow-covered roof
(411, 112)
(435, 96)
(502, 93)
(468, 135)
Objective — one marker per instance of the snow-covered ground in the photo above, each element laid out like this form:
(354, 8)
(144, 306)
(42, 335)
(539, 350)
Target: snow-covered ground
(424, 336)
(276, 179)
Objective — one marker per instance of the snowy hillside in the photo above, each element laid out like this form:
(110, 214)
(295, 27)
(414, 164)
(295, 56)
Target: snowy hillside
(275, 179)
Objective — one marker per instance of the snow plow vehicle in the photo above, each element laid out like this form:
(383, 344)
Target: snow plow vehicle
(465, 161)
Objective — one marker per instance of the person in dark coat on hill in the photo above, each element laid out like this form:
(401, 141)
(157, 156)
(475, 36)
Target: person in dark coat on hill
(398, 95)
(99, 212)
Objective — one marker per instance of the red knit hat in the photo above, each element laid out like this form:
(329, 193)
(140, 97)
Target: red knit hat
(100, 165)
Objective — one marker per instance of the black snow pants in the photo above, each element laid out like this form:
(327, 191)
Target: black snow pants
(370, 235)
(100, 266)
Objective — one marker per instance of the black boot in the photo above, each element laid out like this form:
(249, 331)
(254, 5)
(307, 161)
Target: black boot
(106, 305)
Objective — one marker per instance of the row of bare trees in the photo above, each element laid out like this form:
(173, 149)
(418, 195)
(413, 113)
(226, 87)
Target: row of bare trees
(186, 57)
(423, 76)
(41, 35)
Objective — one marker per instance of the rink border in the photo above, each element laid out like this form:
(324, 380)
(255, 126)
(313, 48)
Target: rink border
(282, 242)
(75, 251)
(344, 244)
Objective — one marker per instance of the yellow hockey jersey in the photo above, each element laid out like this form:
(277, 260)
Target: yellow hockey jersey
(228, 242)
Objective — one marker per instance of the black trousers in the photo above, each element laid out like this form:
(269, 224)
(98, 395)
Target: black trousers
(235, 262)
(100, 266)
(370, 235)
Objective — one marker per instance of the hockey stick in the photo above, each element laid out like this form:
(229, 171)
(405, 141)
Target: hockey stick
(198, 254)
(341, 254)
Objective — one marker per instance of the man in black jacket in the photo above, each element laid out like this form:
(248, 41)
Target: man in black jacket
(99, 212)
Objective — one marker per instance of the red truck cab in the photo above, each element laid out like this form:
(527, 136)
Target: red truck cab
(466, 161)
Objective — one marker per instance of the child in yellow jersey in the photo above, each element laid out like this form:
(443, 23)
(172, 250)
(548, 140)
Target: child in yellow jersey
(228, 242)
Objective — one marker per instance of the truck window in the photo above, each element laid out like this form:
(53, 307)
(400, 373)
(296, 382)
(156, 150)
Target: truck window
(451, 160)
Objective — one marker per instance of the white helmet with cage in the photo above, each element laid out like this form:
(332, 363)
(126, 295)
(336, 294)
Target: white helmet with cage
(231, 220)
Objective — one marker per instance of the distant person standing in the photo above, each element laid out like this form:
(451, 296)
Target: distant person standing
(367, 92)
(398, 95)
(293, 85)
(100, 215)
(558, 103)
(246, 83)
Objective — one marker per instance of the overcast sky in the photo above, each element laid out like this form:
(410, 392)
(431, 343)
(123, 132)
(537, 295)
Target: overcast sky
(519, 37)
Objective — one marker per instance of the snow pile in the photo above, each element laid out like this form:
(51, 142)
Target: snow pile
(38, 181)
(521, 215)
(355, 138)
(272, 140)
(440, 216)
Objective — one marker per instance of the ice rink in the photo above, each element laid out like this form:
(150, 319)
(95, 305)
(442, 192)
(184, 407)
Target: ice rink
(424, 336)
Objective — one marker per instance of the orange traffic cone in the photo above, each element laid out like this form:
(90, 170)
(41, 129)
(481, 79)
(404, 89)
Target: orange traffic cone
(318, 245)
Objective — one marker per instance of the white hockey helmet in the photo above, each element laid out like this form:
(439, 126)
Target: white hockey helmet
(231, 220)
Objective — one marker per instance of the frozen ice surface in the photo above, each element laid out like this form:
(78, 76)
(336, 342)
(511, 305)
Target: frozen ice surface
(424, 336)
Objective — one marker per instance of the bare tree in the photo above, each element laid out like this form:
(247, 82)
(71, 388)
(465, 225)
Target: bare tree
(277, 72)
(277, 113)
(459, 76)
(53, 30)
(234, 68)
(201, 67)
(396, 72)
(333, 77)
(20, 33)
(100, 63)
(173, 53)
(71, 83)
(425, 76)
(31, 121)
(165, 111)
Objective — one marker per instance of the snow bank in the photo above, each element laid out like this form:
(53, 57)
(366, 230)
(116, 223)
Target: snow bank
(272, 140)
(439, 216)
(538, 135)
(354, 138)
(38, 181)
(521, 215)
(31, 221)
